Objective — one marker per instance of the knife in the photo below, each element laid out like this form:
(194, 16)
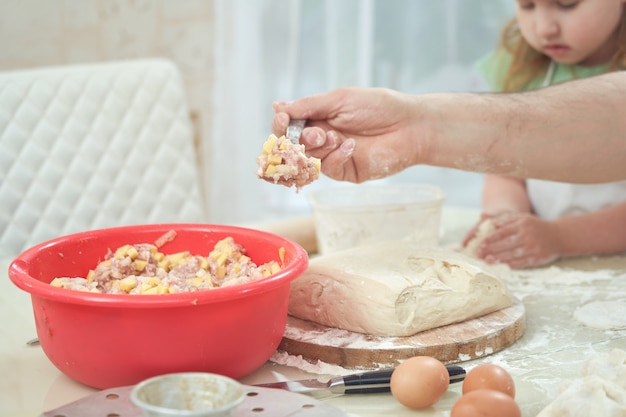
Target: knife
(361, 383)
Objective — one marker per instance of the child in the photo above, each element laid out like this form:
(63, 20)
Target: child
(535, 222)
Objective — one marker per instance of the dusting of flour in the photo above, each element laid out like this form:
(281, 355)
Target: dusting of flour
(319, 367)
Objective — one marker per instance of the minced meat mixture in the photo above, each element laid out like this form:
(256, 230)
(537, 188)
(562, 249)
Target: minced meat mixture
(143, 269)
(283, 162)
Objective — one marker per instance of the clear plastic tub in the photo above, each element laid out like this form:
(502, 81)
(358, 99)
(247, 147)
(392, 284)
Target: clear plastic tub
(346, 217)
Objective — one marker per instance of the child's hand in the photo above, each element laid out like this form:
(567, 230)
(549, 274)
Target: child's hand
(472, 233)
(521, 240)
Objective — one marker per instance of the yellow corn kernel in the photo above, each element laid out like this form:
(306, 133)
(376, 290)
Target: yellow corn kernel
(176, 258)
(284, 145)
(140, 264)
(224, 245)
(105, 263)
(57, 282)
(318, 165)
(149, 283)
(121, 252)
(270, 170)
(157, 289)
(269, 144)
(153, 281)
(220, 272)
(269, 268)
(158, 256)
(132, 252)
(196, 282)
(162, 289)
(281, 254)
(90, 275)
(274, 159)
(128, 283)
(221, 259)
(204, 263)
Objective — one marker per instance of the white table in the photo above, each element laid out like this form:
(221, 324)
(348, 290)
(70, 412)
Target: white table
(550, 352)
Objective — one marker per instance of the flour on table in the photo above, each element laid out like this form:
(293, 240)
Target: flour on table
(601, 391)
(395, 288)
(606, 315)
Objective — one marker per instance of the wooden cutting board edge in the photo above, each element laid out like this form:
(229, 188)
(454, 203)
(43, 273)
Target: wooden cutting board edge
(457, 342)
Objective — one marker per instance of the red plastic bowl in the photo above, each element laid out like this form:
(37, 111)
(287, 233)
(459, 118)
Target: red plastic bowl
(110, 340)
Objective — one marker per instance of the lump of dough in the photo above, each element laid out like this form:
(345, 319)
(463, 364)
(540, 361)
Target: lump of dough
(610, 366)
(607, 315)
(485, 228)
(601, 391)
(395, 289)
(588, 396)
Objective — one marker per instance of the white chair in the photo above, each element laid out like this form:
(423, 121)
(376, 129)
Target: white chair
(94, 145)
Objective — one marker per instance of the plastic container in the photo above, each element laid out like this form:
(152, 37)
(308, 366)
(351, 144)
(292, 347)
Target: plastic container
(110, 340)
(189, 394)
(346, 217)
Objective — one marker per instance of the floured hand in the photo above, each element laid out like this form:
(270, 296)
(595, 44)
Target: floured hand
(359, 133)
(520, 240)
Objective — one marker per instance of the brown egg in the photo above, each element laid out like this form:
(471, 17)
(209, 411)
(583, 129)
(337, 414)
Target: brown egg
(489, 376)
(419, 382)
(485, 403)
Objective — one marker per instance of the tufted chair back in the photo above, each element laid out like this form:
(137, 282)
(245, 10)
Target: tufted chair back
(94, 145)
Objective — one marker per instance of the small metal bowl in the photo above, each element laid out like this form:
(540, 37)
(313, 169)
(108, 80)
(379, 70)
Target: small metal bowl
(188, 394)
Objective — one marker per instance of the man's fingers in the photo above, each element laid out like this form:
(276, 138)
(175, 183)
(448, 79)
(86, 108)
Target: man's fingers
(279, 123)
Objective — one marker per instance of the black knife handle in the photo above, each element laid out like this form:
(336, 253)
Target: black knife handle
(378, 381)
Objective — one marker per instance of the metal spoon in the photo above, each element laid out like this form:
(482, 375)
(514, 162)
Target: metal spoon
(294, 130)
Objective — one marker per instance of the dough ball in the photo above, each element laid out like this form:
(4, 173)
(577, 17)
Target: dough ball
(601, 391)
(485, 228)
(605, 315)
(611, 366)
(395, 288)
(588, 396)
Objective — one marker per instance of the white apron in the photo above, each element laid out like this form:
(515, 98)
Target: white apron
(551, 200)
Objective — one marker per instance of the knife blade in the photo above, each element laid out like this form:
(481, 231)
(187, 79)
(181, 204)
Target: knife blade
(360, 383)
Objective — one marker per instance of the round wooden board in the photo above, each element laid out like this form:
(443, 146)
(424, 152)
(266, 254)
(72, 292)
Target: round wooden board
(456, 342)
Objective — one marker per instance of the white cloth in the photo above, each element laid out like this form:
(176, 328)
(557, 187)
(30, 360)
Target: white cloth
(552, 200)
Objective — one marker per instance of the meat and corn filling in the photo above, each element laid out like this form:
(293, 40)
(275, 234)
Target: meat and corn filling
(143, 269)
(283, 162)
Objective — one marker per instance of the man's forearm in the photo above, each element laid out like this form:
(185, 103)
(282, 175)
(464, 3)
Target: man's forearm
(574, 132)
